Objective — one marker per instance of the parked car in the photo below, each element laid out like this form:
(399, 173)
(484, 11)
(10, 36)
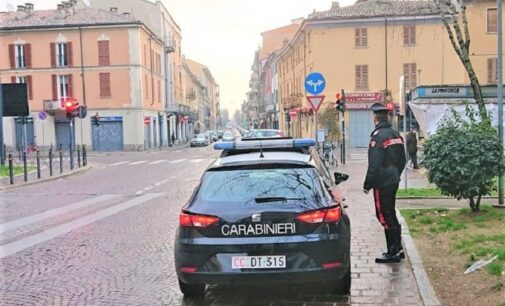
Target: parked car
(199, 140)
(210, 135)
(266, 133)
(220, 134)
(230, 233)
(228, 136)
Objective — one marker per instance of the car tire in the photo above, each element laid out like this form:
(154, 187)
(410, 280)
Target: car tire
(343, 285)
(192, 290)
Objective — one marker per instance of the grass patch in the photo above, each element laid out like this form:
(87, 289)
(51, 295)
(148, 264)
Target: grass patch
(4, 171)
(495, 268)
(418, 192)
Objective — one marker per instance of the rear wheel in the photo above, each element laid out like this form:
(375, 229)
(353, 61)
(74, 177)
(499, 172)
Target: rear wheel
(194, 290)
(343, 285)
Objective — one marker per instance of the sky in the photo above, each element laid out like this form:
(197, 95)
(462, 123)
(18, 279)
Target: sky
(224, 34)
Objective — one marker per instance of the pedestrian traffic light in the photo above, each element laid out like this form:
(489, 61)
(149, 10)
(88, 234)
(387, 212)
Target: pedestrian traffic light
(95, 120)
(340, 104)
(391, 107)
(71, 108)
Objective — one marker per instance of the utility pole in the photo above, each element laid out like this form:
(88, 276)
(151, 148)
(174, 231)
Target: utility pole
(500, 93)
(343, 128)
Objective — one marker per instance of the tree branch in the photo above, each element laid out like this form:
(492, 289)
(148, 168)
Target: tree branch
(465, 26)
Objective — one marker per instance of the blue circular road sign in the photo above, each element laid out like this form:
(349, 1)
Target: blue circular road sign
(42, 115)
(315, 83)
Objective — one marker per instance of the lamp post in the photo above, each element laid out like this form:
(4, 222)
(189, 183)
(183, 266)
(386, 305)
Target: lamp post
(500, 93)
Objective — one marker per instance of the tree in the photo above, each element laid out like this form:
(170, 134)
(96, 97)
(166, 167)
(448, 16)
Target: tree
(464, 157)
(327, 118)
(237, 118)
(460, 40)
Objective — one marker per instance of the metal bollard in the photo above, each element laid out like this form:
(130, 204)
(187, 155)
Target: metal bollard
(84, 156)
(51, 162)
(79, 156)
(61, 161)
(25, 168)
(11, 170)
(71, 157)
(38, 164)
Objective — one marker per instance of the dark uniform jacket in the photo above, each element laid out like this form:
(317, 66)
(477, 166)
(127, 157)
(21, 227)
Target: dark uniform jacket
(386, 157)
(411, 142)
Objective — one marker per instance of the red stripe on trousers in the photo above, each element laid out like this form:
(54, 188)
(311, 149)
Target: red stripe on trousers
(378, 207)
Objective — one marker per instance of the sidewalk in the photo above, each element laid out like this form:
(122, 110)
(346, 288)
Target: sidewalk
(392, 284)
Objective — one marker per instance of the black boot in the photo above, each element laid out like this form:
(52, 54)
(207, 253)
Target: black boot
(394, 248)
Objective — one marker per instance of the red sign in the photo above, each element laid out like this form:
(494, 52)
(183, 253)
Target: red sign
(293, 112)
(147, 120)
(315, 102)
(364, 97)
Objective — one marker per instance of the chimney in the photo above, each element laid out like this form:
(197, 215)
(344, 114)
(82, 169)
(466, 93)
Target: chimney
(21, 8)
(29, 8)
(69, 9)
(113, 9)
(61, 10)
(21, 12)
(335, 5)
(126, 14)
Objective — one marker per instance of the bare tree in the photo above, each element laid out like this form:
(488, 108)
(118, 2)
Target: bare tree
(454, 19)
(327, 118)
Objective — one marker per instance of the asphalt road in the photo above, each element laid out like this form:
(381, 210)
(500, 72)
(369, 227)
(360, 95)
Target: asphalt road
(105, 237)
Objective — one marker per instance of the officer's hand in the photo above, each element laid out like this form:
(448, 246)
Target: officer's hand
(365, 191)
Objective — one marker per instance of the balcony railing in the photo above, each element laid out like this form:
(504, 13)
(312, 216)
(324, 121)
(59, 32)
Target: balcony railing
(170, 45)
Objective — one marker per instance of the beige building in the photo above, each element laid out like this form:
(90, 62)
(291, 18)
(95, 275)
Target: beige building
(365, 48)
(118, 58)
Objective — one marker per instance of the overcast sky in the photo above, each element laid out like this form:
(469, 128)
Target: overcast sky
(223, 34)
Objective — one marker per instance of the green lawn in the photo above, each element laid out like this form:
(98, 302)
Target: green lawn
(418, 192)
(4, 171)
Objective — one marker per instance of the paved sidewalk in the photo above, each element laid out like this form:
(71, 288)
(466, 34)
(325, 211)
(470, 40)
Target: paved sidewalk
(373, 284)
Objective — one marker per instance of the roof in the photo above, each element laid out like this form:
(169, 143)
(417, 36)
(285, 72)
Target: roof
(269, 157)
(378, 8)
(54, 18)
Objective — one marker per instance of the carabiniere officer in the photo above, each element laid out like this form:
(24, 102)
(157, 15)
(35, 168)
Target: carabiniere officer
(386, 161)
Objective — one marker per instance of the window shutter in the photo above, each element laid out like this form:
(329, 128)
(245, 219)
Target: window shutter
(55, 86)
(13, 80)
(28, 55)
(103, 53)
(413, 79)
(70, 86)
(413, 35)
(70, 54)
(105, 90)
(53, 54)
(365, 76)
(12, 55)
(364, 37)
(357, 39)
(29, 85)
(492, 20)
(357, 77)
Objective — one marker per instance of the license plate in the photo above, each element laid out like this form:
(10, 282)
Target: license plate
(258, 262)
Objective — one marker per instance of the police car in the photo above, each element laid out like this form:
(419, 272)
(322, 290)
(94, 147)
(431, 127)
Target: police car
(267, 211)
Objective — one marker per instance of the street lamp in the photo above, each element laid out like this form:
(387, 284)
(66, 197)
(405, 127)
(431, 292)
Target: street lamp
(500, 94)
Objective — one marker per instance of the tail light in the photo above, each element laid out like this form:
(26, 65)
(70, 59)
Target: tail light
(320, 216)
(280, 133)
(200, 221)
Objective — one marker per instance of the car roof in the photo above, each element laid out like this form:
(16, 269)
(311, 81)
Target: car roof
(251, 158)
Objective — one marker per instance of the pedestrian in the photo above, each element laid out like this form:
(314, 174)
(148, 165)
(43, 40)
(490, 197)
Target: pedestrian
(173, 138)
(412, 147)
(386, 160)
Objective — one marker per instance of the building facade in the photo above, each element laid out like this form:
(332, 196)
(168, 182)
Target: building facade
(365, 48)
(80, 53)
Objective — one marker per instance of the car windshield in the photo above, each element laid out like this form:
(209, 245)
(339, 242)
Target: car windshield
(228, 134)
(200, 136)
(258, 185)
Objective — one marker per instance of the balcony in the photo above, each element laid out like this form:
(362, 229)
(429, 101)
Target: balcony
(170, 45)
(190, 94)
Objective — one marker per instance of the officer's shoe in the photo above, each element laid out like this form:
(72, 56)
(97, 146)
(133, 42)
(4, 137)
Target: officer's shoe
(401, 254)
(388, 258)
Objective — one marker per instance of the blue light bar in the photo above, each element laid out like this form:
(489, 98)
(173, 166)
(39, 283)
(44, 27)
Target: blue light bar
(265, 144)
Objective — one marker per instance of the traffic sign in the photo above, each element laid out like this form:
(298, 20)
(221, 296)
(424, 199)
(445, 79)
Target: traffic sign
(147, 120)
(315, 102)
(293, 112)
(42, 115)
(315, 83)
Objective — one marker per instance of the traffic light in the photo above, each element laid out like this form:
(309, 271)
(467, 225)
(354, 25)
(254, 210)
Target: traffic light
(83, 111)
(340, 104)
(71, 108)
(95, 120)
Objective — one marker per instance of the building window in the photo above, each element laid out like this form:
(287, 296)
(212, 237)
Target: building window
(105, 91)
(409, 35)
(62, 85)
(20, 80)
(159, 91)
(361, 37)
(20, 56)
(361, 77)
(61, 55)
(410, 73)
(492, 20)
(492, 73)
(103, 53)
(146, 84)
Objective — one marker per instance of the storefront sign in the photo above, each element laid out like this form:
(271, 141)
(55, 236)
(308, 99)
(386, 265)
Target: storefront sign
(370, 97)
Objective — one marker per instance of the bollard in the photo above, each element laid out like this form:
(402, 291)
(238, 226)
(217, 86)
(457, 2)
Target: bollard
(71, 157)
(84, 156)
(19, 152)
(61, 161)
(79, 156)
(25, 168)
(51, 161)
(38, 164)
(11, 172)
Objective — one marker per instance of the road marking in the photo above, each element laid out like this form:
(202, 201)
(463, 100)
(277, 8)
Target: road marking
(120, 163)
(176, 161)
(139, 162)
(173, 177)
(19, 245)
(158, 162)
(196, 160)
(12, 225)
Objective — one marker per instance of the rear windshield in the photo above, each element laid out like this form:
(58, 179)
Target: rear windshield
(248, 185)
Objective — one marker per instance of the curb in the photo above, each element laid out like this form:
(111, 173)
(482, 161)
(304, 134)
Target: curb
(424, 287)
(46, 179)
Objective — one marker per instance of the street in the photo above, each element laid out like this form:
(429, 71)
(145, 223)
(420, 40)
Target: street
(105, 237)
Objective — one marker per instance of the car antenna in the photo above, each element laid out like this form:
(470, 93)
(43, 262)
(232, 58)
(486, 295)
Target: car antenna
(261, 150)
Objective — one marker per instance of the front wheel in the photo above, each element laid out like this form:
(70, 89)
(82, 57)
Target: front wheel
(194, 290)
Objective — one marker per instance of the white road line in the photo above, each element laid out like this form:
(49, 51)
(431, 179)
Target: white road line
(139, 162)
(19, 245)
(12, 225)
(196, 160)
(119, 163)
(176, 161)
(173, 177)
(158, 162)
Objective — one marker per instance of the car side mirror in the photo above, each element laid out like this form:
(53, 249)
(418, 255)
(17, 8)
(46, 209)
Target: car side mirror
(340, 177)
